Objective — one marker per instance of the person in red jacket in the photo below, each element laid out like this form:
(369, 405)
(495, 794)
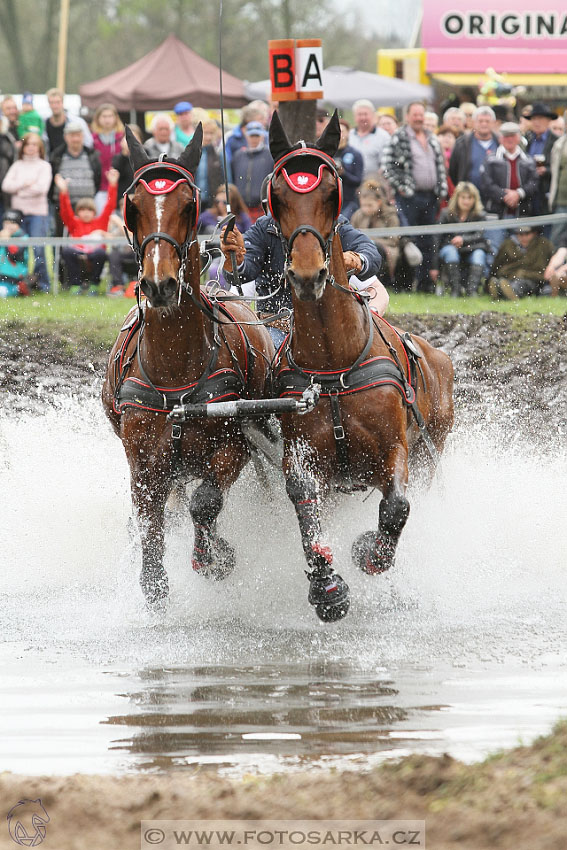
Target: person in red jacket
(85, 222)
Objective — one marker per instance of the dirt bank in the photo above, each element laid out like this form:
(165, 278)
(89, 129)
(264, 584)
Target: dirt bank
(516, 360)
(515, 801)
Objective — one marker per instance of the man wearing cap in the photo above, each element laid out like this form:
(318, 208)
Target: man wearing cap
(30, 120)
(250, 166)
(508, 181)
(519, 267)
(539, 142)
(78, 165)
(184, 128)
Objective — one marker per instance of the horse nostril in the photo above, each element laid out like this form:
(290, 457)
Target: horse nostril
(169, 287)
(322, 276)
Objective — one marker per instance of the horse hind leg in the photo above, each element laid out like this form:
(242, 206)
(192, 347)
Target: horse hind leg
(213, 556)
(375, 552)
(328, 592)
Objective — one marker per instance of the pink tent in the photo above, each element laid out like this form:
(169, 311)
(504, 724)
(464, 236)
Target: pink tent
(170, 73)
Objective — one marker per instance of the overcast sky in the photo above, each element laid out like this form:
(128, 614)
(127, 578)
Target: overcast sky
(382, 16)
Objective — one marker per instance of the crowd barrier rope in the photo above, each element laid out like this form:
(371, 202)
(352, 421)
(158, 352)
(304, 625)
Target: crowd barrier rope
(58, 242)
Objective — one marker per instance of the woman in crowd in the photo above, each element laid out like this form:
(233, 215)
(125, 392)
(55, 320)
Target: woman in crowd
(121, 162)
(28, 181)
(217, 211)
(469, 248)
(108, 131)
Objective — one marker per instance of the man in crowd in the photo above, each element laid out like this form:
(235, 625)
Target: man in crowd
(558, 188)
(58, 120)
(366, 137)
(184, 128)
(520, 264)
(414, 166)
(161, 129)
(539, 142)
(472, 148)
(78, 165)
(508, 181)
(10, 112)
(258, 111)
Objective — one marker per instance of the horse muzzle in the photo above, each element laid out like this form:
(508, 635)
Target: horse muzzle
(308, 287)
(161, 294)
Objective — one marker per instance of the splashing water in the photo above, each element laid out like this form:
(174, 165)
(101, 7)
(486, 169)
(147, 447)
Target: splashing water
(457, 649)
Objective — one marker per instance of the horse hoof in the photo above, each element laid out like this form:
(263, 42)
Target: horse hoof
(371, 555)
(222, 561)
(155, 587)
(330, 597)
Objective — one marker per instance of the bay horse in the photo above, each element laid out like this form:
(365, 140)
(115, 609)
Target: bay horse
(179, 347)
(384, 394)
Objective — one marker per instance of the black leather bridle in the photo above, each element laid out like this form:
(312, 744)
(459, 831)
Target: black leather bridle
(279, 168)
(173, 175)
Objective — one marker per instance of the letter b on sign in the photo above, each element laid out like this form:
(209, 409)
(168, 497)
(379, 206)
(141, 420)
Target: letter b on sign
(282, 68)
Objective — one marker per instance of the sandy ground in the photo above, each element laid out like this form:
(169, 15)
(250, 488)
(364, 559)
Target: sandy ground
(514, 801)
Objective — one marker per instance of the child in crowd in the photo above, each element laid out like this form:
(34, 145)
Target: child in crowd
(84, 222)
(13, 258)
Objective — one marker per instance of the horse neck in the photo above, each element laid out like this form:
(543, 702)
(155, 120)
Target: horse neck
(333, 331)
(174, 346)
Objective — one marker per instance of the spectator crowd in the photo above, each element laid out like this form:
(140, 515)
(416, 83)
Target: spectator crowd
(65, 174)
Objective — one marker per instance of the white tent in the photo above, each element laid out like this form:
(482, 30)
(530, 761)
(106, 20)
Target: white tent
(342, 86)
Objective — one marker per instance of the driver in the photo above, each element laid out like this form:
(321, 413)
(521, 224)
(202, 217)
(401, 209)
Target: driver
(260, 258)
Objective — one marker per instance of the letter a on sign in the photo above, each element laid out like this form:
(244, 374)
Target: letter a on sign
(309, 67)
(282, 68)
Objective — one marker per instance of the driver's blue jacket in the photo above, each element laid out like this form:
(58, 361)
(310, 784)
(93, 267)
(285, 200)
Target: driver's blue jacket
(264, 260)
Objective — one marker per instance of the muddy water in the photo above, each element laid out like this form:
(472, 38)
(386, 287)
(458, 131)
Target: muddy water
(460, 649)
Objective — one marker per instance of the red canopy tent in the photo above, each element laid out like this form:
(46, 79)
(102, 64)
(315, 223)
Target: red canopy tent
(168, 74)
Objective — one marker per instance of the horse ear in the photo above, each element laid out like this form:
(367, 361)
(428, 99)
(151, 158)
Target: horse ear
(328, 141)
(279, 142)
(138, 155)
(192, 153)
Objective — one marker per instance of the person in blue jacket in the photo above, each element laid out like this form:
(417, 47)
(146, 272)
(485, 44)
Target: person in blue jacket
(13, 258)
(260, 258)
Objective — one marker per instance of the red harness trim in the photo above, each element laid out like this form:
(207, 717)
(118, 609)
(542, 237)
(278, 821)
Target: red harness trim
(302, 181)
(161, 185)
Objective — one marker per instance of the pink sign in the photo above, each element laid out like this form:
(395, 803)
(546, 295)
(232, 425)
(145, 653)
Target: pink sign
(514, 36)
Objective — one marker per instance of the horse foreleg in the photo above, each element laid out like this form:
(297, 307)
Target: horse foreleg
(149, 504)
(328, 592)
(212, 555)
(375, 552)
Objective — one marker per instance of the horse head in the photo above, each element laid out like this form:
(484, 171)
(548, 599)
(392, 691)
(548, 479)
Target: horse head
(304, 198)
(161, 209)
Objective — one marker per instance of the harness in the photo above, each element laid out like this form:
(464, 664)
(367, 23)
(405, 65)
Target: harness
(304, 182)
(366, 372)
(165, 176)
